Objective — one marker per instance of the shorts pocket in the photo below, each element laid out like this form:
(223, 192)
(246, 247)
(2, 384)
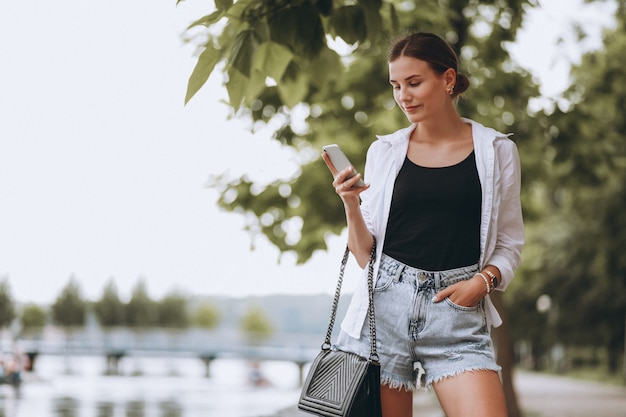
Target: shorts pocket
(466, 321)
(461, 308)
(384, 281)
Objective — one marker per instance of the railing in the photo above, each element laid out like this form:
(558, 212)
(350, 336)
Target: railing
(117, 344)
(159, 342)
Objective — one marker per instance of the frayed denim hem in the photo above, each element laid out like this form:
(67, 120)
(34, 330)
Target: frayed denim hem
(394, 382)
(435, 379)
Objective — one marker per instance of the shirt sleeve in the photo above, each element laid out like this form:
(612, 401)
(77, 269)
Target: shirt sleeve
(509, 221)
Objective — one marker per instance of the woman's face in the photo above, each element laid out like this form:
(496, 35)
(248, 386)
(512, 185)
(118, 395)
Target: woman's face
(419, 91)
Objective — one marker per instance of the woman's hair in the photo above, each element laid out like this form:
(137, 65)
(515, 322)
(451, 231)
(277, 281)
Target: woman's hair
(432, 49)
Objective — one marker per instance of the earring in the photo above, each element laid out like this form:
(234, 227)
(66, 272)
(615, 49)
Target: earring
(450, 90)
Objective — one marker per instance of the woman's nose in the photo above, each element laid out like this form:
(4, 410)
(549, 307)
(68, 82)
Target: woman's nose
(402, 94)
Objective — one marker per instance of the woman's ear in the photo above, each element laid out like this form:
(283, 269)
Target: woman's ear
(449, 77)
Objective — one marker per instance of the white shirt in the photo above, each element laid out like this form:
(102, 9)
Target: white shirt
(501, 227)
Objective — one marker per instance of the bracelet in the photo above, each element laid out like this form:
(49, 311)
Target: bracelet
(492, 278)
(480, 274)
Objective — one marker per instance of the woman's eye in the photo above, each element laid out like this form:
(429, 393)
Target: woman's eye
(414, 84)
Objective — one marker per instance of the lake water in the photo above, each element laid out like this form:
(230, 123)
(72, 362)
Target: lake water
(150, 387)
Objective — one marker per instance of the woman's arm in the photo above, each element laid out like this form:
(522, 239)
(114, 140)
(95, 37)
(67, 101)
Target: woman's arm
(360, 239)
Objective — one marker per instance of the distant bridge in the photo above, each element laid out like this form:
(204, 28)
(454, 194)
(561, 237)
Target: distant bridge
(194, 343)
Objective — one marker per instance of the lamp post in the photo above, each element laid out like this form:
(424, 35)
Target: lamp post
(556, 351)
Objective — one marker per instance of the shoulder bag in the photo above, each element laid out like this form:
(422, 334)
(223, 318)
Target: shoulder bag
(344, 384)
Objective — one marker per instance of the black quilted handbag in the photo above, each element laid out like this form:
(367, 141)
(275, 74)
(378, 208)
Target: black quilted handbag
(344, 384)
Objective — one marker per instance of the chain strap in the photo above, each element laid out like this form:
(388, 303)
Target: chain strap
(370, 290)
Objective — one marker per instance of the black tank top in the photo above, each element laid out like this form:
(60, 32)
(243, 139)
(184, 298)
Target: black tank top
(434, 223)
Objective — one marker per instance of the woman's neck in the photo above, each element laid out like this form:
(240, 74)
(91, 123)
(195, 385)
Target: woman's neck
(449, 127)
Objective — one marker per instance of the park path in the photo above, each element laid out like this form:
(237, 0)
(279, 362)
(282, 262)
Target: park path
(553, 396)
(539, 395)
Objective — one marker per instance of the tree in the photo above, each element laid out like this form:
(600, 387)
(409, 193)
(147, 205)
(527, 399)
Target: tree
(141, 314)
(279, 65)
(109, 309)
(141, 310)
(280, 69)
(33, 319)
(256, 325)
(587, 191)
(207, 316)
(576, 240)
(7, 305)
(172, 311)
(69, 309)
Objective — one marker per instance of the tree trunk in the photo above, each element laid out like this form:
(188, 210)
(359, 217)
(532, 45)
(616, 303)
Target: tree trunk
(505, 356)
(624, 357)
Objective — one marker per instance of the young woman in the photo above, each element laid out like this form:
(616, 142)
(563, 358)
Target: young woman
(443, 201)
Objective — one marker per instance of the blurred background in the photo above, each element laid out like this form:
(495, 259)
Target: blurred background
(169, 240)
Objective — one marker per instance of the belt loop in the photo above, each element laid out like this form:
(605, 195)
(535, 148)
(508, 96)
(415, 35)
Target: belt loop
(396, 277)
(437, 276)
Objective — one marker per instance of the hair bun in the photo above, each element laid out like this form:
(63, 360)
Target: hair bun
(462, 84)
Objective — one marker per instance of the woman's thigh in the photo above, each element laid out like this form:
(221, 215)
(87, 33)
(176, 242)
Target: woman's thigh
(472, 394)
(396, 402)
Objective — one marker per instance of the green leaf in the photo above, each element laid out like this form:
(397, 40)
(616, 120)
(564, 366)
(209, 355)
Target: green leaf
(325, 7)
(348, 23)
(237, 10)
(255, 87)
(243, 50)
(300, 28)
(272, 59)
(374, 24)
(262, 30)
(395, 22)
(223, 4)
(208, 19)
(327, 67)
(373, 5)
(292, 90)
(236, 86)
(201, 72)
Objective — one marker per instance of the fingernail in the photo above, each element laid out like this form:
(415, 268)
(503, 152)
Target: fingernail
(435, 299)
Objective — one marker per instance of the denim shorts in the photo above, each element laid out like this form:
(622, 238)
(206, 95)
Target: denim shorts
(420, 342)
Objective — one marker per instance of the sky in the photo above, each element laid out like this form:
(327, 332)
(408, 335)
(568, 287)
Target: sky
(103, 169)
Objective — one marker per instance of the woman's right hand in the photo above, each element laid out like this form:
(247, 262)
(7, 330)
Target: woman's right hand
(345, 187)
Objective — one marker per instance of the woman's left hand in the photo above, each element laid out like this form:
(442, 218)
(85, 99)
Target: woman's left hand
(465, 293)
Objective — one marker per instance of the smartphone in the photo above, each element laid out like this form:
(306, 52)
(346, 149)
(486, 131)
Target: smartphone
(340, 160)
